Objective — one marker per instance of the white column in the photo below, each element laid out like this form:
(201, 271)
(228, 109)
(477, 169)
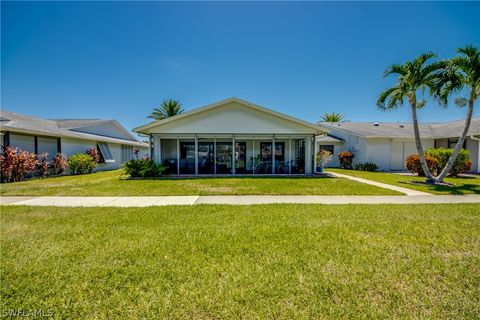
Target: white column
(273, 155)
(214, 155)
(196, 155)
(289, 155)
(178, 156)
(315, 150)
(156, 148)
(150, 147)
(233, 154)
(308, 155)
(254, 156)
(159, 150)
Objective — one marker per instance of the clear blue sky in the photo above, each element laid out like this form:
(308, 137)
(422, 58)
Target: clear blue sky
(120, 59)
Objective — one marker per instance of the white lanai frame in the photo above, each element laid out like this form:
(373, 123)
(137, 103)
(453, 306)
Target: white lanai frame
(168, 148)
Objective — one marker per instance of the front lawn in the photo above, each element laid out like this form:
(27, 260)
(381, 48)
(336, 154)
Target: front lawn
(224, 262)
(463, 185)
(110, 184)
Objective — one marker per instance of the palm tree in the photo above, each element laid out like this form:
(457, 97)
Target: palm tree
(462, 73)
(332, 117)
(167, 109)
(413, 76)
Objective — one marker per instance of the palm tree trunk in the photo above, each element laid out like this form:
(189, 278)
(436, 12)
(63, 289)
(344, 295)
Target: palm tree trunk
(418, 143)
(460, 141)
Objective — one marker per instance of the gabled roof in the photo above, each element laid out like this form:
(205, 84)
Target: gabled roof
(328, 138)
(144, 128)
(16, 122)
(450, 129)
(74, 123)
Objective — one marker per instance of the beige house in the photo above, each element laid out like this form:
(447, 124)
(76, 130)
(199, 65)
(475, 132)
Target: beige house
(233, 137)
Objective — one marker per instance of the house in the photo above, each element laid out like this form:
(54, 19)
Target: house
(233, 137)
(387, 144)
(68, 136)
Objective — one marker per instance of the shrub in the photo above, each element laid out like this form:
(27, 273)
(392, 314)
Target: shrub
(366, 166)
(462, 162)
(143, 168)
(323, 157)
(413, 165)
(16, 164)
(42, 164)
(93, 152)
(59, 163)
(81, 163)
(346, 159)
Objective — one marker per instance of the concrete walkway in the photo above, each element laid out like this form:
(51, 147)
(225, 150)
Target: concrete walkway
(408, 192)
(231, 200)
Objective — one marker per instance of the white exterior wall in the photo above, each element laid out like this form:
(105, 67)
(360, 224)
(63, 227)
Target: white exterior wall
(474, 147)
(388, 154)
(72, 146)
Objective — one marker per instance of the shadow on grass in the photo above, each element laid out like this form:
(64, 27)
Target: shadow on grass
(464, 188)
(231, 178)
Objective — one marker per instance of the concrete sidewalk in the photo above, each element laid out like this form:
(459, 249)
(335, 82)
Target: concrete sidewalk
(230, 200)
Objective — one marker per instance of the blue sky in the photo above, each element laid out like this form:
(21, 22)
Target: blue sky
(120, 59)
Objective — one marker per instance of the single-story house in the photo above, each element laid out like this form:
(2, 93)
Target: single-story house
(233, 137)
(69, 136)
(387, 144)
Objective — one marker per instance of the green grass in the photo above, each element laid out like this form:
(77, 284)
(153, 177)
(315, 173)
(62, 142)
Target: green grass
(110, 184)
(462, 185)
(223, 262)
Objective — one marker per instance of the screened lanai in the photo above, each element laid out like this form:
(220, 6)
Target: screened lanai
(236, 154)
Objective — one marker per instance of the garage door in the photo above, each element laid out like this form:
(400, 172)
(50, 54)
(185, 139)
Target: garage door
(396, 156)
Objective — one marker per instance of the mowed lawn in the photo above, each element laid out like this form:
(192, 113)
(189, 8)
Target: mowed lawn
(223, 262)
(462, 185)
(112, 184)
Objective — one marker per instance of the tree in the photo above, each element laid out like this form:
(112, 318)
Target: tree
(332, 117)
(167, 109)
(462, 73)
(413, 77)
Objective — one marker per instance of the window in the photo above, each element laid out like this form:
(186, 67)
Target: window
(127, 153)
(105, 152)
(326, 147)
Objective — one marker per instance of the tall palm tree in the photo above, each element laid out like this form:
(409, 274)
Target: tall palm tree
(168, 108)
(462, 73)
(332, 117)
(413, 77)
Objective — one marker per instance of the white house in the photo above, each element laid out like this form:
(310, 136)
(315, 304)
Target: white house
(233, 137)
(387, 144)
(68, 136)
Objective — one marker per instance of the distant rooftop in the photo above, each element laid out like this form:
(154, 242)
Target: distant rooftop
(404, 129)
(16, 122)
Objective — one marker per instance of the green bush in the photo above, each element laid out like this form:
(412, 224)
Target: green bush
(366, 166)
(462, 162)
(143, 168)
(81, 163)
(412, 162)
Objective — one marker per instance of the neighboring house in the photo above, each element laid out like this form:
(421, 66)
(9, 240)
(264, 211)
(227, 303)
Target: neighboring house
(233, 136)
(69, 136)
(388, 144)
